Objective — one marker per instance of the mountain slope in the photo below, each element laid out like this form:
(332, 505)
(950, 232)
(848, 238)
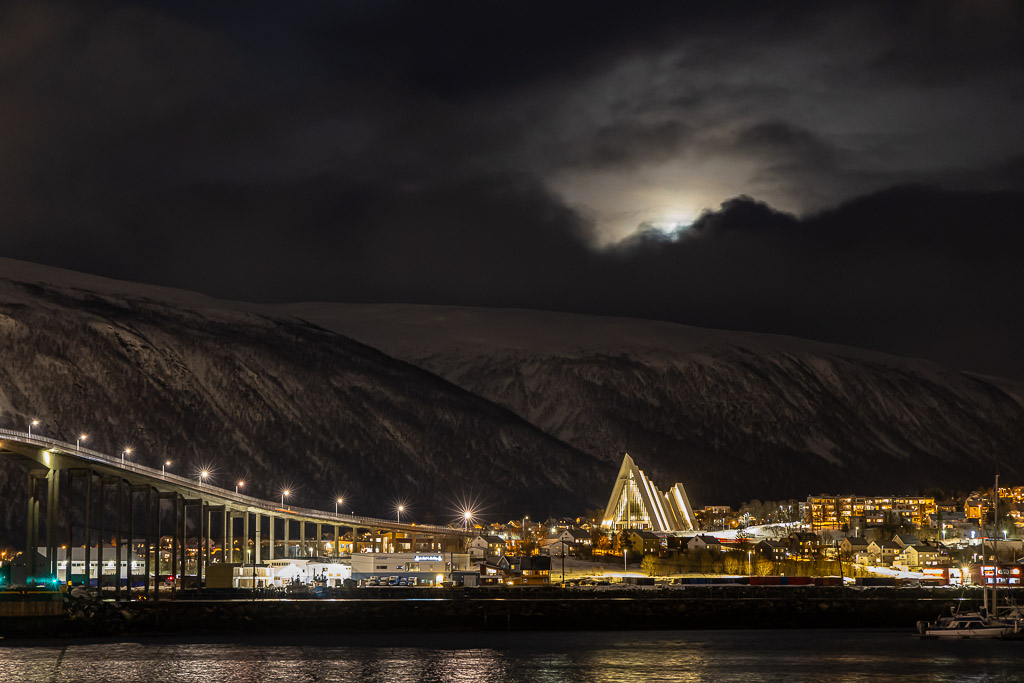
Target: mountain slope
(272, 400)
(733, 416)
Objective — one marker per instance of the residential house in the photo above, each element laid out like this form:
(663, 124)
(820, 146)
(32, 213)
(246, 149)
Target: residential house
(575, 536)
(916, 557)
(644, 542)
(556, 548)
(486, 545)
(904, 540)
(772, 550)
(803, 544)
(883, 552)
(703, 542)
(525, 570)
(977, 508)
(851, 545)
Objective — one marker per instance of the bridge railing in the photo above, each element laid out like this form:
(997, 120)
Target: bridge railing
(241, 499)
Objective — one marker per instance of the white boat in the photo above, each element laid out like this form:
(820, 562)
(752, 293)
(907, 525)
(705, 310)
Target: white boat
(973, 625)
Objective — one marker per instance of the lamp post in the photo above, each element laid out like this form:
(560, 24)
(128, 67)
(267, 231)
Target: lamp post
(203, 475)
(749, 553)
(466, 516)
(78, 443)
(163, 468)
(399, 510)
(284, 494)
(33, 423)
(625, 551)
(338, 502)
(240, 484)
(126, 451)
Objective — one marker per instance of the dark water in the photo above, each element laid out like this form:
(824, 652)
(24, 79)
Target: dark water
(820, 655)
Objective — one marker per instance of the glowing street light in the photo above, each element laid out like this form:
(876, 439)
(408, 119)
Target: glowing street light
(33, 423)
(239, 485)
(78, 443)
(337, 503)
(203, 475)
(284, 494)
(163, 468)
(466, 516)
(400, 509)
(126, 451)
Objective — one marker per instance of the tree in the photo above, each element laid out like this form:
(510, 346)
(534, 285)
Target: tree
(649, 565)
(764, 567)
(707, 562)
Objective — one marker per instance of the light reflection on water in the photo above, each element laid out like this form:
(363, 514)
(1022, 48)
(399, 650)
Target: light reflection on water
(604, 657)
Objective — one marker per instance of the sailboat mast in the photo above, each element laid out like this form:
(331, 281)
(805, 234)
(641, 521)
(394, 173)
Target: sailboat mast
(995, 545)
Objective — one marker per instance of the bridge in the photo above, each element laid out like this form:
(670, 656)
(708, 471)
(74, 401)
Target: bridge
(160, 504)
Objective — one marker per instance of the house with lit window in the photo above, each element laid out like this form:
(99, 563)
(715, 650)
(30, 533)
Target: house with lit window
(644, 542)
(486, 545)
(529, 570)
(771, 550)
(851, 545)
(917, 557)
(703, 542)
(575, 537)
(883, 552)
(803, 545)
(977, 508)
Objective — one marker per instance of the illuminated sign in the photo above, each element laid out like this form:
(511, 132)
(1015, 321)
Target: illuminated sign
(428, 558)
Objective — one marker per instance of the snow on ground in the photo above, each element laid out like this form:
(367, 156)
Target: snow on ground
(760, 532)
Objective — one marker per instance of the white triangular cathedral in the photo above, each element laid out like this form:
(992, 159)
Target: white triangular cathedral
(636, 503)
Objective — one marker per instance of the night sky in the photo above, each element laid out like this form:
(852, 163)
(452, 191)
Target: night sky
(851, 172)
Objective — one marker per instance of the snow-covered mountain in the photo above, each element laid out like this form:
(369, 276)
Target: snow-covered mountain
(527, 411)
(732, 415)
(265, 398)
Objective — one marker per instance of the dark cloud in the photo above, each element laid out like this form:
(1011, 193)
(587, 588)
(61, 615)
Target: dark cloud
(513, 154)
(632, 143)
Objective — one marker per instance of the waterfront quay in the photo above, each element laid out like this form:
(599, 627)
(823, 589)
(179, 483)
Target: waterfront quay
(520, 608)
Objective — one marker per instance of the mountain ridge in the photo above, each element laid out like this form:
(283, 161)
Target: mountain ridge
(819, 415)
(272, 400)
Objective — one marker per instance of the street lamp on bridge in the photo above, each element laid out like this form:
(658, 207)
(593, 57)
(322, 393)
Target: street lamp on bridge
(284, 494)
(78, 443)
(33, 423)
(239, 485)
(337, 503)
(127, 451)
(163, 468)
(203, 475)
(466, 517)
(400, 509)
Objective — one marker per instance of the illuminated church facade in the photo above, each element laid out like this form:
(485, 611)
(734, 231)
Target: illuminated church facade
(636, 503)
